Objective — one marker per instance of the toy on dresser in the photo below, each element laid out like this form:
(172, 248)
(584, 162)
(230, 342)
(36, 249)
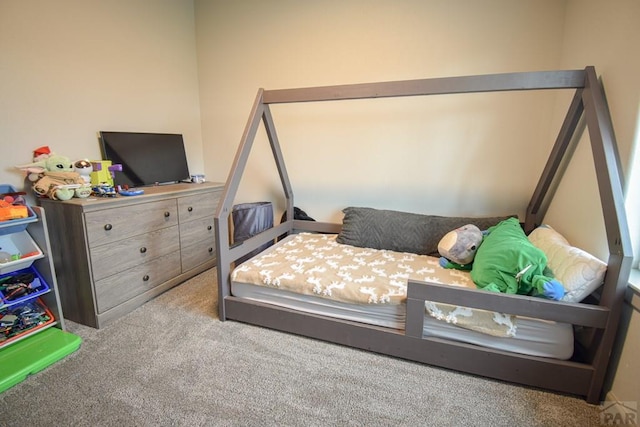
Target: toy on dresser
(84, 168)
(102, 175)
(53, 176)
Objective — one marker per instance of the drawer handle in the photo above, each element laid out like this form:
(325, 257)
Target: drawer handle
(190, 209)
(210, 250)
(146, 278)
(143, 250)
(209, 227)
(108, 227)
(167, 214)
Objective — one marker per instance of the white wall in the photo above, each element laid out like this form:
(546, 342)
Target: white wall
(450, 154)
(71, 68)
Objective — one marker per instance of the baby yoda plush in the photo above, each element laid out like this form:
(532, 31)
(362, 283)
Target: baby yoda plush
(53, 176)
(458, 247)
(503, 261)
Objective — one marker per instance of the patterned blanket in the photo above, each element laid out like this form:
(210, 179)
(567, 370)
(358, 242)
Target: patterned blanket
(315, 264)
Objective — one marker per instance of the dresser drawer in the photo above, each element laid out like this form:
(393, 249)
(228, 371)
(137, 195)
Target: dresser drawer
(197, 230)
(115, 257)
(115, 290)
(111, 225)
(198, 206)
(194, 255)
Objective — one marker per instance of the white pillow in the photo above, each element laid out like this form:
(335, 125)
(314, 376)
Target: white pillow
(580, 272)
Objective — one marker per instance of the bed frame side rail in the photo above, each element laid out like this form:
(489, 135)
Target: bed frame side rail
(583, 381)
(559, 375)
(521, 305)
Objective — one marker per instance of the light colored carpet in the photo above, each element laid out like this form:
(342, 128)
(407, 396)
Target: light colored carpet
(173, 363)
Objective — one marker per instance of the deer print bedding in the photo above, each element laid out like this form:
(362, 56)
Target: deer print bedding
(316, 265)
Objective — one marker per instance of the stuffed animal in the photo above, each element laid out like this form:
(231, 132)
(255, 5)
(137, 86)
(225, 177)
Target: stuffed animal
(12, 206)
(458, 247)
(84, 168)
(53, 176)
(506, 261)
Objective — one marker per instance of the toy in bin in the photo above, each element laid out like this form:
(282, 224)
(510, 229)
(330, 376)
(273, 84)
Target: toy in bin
(13, 206)
(17, 320)
(8, 194)
(21, 285)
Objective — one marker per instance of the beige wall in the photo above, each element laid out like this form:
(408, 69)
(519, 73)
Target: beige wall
(71, 68)
(611, 44)
(403, 154)
(442, 155)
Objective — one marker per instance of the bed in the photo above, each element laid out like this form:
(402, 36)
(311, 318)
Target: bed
(316, 274)
(563, 346)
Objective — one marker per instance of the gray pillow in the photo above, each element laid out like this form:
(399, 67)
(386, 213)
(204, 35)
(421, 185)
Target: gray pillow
(402, 231)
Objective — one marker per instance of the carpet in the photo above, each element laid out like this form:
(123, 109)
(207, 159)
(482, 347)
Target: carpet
(171, 362)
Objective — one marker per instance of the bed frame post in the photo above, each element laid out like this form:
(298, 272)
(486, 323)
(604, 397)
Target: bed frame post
(277, 155)
(537, 209)
(590, 102)
(610, 183)
(221, 219)
(226, 254)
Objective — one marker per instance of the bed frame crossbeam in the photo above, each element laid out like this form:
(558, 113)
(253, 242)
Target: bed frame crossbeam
(583, 378)
(437, 86)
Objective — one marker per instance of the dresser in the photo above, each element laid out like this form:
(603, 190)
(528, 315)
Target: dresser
(111, 255)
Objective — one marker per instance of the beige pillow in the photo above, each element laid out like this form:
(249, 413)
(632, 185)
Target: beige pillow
(580, 272)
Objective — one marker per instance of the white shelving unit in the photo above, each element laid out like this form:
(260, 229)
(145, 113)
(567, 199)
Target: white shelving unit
(34, 350)
(38, 231)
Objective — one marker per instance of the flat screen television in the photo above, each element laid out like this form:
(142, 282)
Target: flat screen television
(146, 158)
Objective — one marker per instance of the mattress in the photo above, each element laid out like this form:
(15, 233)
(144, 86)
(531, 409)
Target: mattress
(313, 273)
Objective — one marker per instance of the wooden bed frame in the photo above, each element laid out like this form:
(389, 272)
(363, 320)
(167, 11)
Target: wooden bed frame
(584, 376)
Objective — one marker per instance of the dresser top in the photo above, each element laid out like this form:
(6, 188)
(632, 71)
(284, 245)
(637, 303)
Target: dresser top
(151, 193)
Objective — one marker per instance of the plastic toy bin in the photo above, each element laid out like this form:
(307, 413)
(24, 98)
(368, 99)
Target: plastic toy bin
(24, 318)
(22, 251)
(36, 287)
(15, 225)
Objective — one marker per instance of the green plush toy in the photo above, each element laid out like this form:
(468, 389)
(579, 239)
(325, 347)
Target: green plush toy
(508, 262)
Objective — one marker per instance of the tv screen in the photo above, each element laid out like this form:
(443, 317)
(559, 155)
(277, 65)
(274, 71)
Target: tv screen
(146, 158)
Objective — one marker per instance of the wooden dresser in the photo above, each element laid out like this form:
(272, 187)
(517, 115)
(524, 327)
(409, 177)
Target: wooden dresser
(113, 254)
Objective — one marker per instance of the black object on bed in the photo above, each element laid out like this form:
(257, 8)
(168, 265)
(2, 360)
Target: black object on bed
(583, 374)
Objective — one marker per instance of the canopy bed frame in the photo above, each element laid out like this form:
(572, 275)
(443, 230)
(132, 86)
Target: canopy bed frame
(583, 376)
